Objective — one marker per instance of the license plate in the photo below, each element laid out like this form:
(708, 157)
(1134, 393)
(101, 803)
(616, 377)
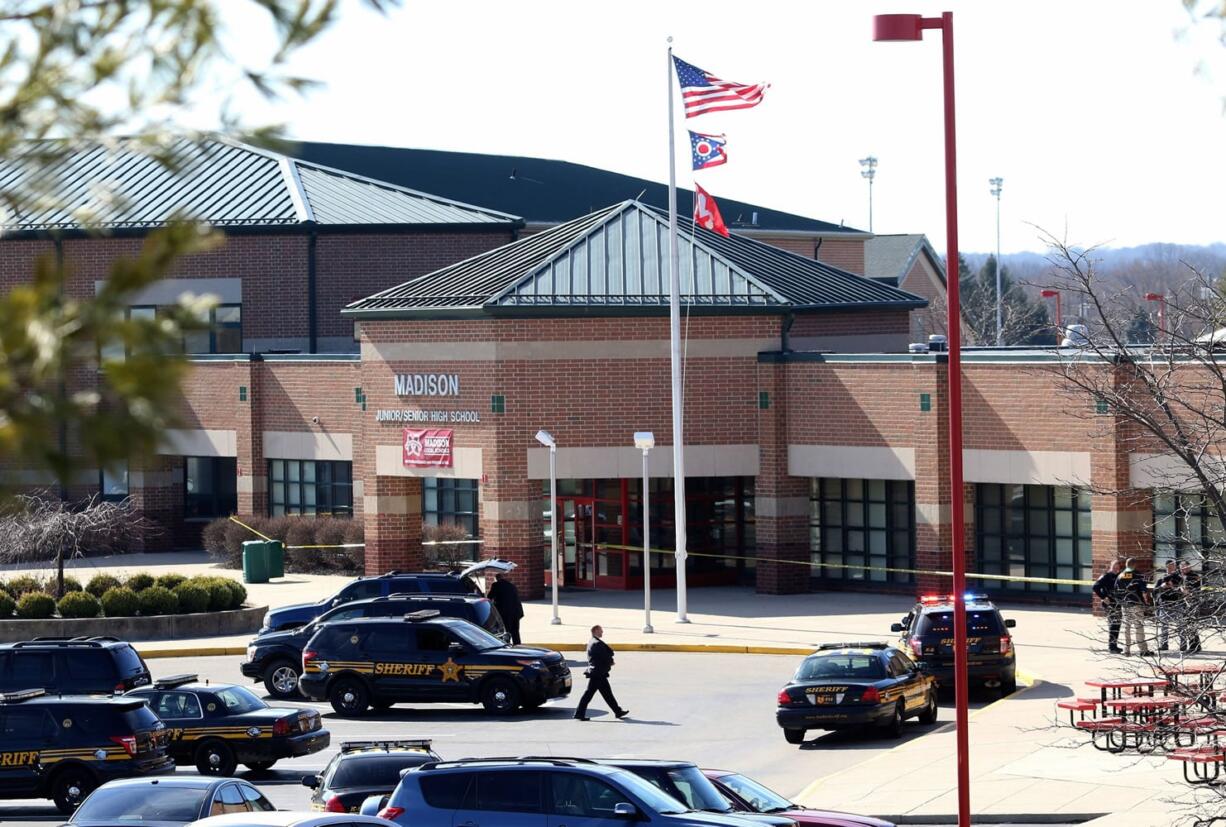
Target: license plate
(568, 683)
(826, 700)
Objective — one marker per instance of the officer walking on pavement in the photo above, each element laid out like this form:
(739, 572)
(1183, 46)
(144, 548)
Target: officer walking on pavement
(505, 598)
(1133, 596)
(600, 662)
(1104, 589)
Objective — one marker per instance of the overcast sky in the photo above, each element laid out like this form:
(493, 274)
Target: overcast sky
(1105, 119)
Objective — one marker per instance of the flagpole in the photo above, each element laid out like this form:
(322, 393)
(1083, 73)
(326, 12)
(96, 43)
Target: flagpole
(674, 331)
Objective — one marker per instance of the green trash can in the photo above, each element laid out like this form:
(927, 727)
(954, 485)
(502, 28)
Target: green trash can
(276, 558)
(255, 561)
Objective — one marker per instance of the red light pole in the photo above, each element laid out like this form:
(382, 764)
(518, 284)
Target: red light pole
(1161, 299)
(1054, 294)
(906, 27)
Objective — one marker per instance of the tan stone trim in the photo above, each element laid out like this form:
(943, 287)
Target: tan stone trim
(387, 504)
(1028, 467)
(1117, 522)
(570, 350)
(940, 514)
(199, 443)
(308, 445)
(617, 462)
(467, 463)
(507, 509)
(250, 484)
(856, 343)
(1165, 471)
(851, 461)
(779, 507)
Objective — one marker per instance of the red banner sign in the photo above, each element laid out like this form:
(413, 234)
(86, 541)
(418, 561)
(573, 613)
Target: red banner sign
(429, 447)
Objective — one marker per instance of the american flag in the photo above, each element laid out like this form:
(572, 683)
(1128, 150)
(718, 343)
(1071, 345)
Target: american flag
(702, 92)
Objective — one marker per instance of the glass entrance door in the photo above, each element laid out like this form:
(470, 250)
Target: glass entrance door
(578, 537)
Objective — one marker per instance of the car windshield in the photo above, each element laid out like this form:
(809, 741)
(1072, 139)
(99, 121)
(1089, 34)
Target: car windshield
(381, 771)
(689, 786)
(759, 798)
(239, 699)
(841, 666)
(475, 636)
(145, 802)
(652, 796)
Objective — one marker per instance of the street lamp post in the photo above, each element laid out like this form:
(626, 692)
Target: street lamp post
(996, 186)
(546, 439)
(868, 170)
(1055, 294)
(645, 441)
(909, 27)
(1161, 300)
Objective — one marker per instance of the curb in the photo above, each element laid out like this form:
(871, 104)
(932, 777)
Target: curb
(705, 648)
(198, 652)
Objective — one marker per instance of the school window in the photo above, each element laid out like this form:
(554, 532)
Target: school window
(858, 529)
(210, 487)
(221, 331)
(447, 501)
(113, 482)
(297, 486)
(1032, 531)
(1185, 527)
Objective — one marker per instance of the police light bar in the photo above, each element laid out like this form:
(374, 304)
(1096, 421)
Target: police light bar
(936, 599)
(860, 644)
(390, 744)
(21, 695)
(424, 614)
(174, 681)
(969, 597)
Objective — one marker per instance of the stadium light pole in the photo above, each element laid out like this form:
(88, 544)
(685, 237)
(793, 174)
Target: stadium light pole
(645, 441)
(996, 187)
(868, 170)
(546, 439)
(910, 27)
(1054, 294)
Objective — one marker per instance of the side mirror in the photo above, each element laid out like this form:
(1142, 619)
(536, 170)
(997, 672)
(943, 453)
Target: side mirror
(1010, 624)
(311, 781)
(336, 601)
(921, 667)
(895, 627)
(626, 810)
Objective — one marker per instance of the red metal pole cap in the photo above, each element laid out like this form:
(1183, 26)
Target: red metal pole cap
(896, 27)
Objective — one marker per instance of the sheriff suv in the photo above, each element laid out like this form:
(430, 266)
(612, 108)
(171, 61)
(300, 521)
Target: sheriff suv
(365, 768)
(424, 657)
(217, 726)
(63, 747)
(928, 633)
(78, 665)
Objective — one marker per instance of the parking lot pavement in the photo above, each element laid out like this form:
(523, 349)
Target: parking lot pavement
(715, 710)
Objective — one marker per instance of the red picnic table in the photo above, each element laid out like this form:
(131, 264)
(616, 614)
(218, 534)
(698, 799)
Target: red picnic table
(1114, 689)
(1150, 721)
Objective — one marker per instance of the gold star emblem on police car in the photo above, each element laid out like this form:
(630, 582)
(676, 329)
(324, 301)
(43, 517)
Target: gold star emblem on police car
(450, 670)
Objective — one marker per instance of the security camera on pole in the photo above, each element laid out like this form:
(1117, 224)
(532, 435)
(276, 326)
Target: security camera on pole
(546, 439)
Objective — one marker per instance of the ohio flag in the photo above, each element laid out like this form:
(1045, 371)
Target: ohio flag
(707, 150)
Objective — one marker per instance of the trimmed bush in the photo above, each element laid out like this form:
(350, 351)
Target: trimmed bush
(72, 584)
(7, 605)
(169, 581)
(139, 582)
(192, 597)
(23, 584)
(157, 600)
(238, 593)
(220, 595)
(79, 604)
(120, 602)
(100, 584)
(36, 605)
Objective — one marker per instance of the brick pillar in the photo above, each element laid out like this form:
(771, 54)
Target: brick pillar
(511, 510)
(249, 433)
(781, 502)
(933, 529)
(392, 520)
(155, 486)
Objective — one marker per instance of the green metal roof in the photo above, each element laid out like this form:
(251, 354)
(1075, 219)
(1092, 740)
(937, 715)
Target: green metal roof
(615, 261)
(120, 186)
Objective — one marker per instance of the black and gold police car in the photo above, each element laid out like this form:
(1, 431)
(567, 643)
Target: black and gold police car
(928, 633)
(426, 658)
(365, 768)
(221, 725)
(62, 747)
(849, 685)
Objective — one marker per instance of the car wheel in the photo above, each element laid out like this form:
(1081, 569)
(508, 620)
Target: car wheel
(794, 736)
(349, 697)
(893, 727)
(928, 715)
(70, 787)
(500, 696)
(215, 758)
(260, 766)
(281, 680)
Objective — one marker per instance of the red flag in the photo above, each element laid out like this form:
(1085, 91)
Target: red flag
(706, 212)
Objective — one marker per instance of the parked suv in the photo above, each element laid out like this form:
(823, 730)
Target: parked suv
(424, 657)
(63, 747)
(362, 588)
(928, 631)
(276, 657)
(686, 783)
(536, 792)
(79, 665)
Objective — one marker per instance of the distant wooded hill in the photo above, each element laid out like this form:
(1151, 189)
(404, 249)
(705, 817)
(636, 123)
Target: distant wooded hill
(1150, 267)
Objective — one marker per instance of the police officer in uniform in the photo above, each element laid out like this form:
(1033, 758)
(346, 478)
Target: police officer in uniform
(1168, 597)
(1133, 595)
(1104, 589)
(600, 662)
(1189, 626)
